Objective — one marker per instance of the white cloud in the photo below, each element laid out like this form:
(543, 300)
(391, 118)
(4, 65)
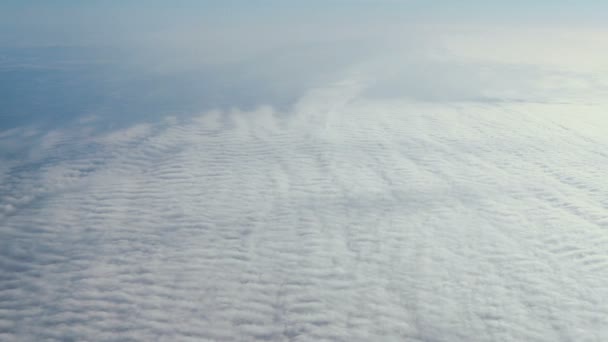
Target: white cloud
(348, 218)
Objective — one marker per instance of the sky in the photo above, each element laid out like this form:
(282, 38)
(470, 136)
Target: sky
(303, 171)
(108, 49)
(69, 22)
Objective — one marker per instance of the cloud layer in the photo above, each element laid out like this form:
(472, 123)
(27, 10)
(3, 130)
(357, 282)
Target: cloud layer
(348, 218)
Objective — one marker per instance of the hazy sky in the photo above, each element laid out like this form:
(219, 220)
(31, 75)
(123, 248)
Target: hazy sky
(111, 22)
(190, 54)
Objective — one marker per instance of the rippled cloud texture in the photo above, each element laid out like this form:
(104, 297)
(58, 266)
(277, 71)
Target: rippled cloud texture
(341, 171)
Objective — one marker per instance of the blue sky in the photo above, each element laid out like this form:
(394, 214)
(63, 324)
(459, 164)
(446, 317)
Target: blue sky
(77, 22)
(301, 38)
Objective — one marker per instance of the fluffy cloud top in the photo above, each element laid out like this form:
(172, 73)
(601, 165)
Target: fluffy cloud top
(348, 218)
